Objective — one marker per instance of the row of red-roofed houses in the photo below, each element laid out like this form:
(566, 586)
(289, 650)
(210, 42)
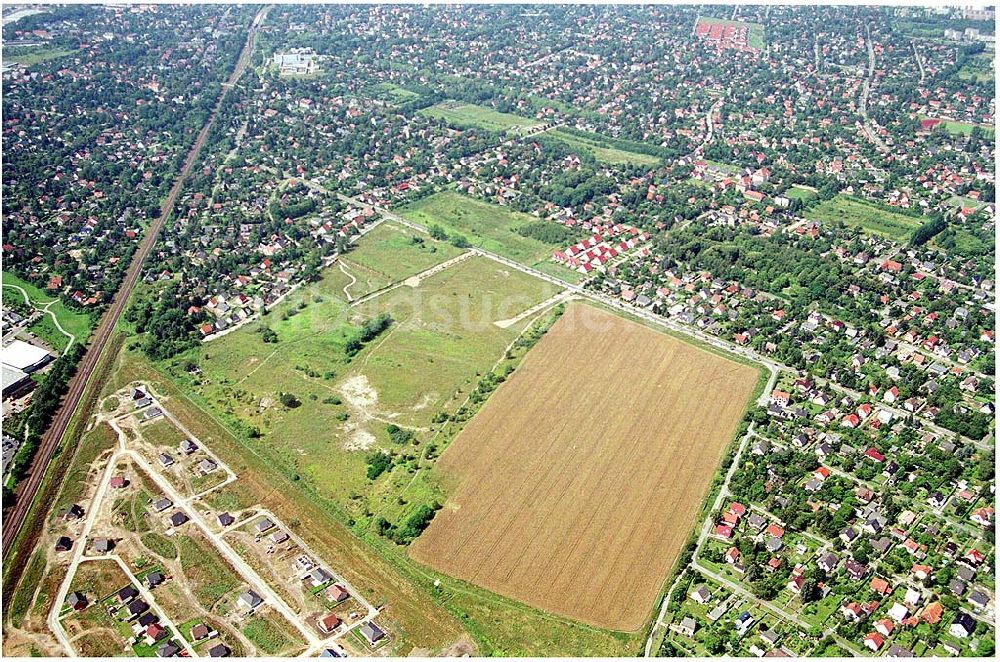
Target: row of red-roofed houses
(602, 247)
(756, 524)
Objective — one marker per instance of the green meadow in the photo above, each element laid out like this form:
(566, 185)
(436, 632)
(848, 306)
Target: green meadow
(870, 218)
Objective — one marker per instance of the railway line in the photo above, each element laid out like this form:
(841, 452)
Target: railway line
(28, 488)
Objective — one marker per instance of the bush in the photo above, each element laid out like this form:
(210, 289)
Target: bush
(289, 400)
(369, 330)
(926, 232)
(411, 528)
(398, 435)
(378, 464)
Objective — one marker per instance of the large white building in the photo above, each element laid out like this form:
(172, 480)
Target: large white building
(296, 61)
(17, 360)
(24, 356)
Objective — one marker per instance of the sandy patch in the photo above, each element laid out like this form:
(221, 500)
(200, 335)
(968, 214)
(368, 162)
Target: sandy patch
(359, 392)
(412, 281)
(359, 440)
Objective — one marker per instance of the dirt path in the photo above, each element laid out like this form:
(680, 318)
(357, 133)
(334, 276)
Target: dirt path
(347, 287)
(45, 309)
(503, 324)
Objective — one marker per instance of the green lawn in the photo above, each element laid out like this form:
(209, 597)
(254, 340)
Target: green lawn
(868, 217)
(32, 56)
(467, 114)
(961, 128)
(78, 324)
(800, 193)
(487, 226)
(596, 145)
(959, 201)
(395, 93)
(391, 253)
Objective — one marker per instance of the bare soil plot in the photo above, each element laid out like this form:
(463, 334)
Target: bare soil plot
(580, 479)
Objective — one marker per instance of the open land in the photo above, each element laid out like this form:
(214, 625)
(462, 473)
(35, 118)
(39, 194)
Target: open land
(31, 56)
(980, 68)
(961, 128)
(596, 145)
(801, 193)
(851, 211)
(487, 226)
(541, 512)
(442, 335)
(467, 114)
(391, 253)
(396, 93)
(427, 617)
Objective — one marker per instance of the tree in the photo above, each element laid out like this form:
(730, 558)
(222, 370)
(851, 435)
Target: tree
(398, 435)
(289, 400)
(378, 463)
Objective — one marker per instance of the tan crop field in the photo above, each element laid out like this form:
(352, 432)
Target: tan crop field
(580, 480)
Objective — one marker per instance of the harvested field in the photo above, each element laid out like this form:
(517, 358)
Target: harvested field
(580, 479)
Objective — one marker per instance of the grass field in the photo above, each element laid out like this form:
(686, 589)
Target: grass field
(271, 634)
(962, 128)
(541, 512)
(208, 575)
(598, 147)
(467, 114)
(391, 253)
(958, 201)
(486, 226)
(98, 579)
(163, 433)
(755, 36)
(32, 56)
(980, 68)
(395, 93)
(78, 324)
(872, 219)
(426, 362)
(800, 193)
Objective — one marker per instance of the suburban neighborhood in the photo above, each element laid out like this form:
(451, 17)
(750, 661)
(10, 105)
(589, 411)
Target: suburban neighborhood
(384, 330)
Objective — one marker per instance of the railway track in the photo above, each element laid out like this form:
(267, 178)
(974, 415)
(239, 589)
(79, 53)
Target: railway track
(27, 490)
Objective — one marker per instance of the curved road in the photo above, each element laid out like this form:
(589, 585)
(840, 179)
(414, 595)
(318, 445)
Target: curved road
(28, 488)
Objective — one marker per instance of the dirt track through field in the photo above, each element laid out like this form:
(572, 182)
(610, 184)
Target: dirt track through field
(580, 479)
